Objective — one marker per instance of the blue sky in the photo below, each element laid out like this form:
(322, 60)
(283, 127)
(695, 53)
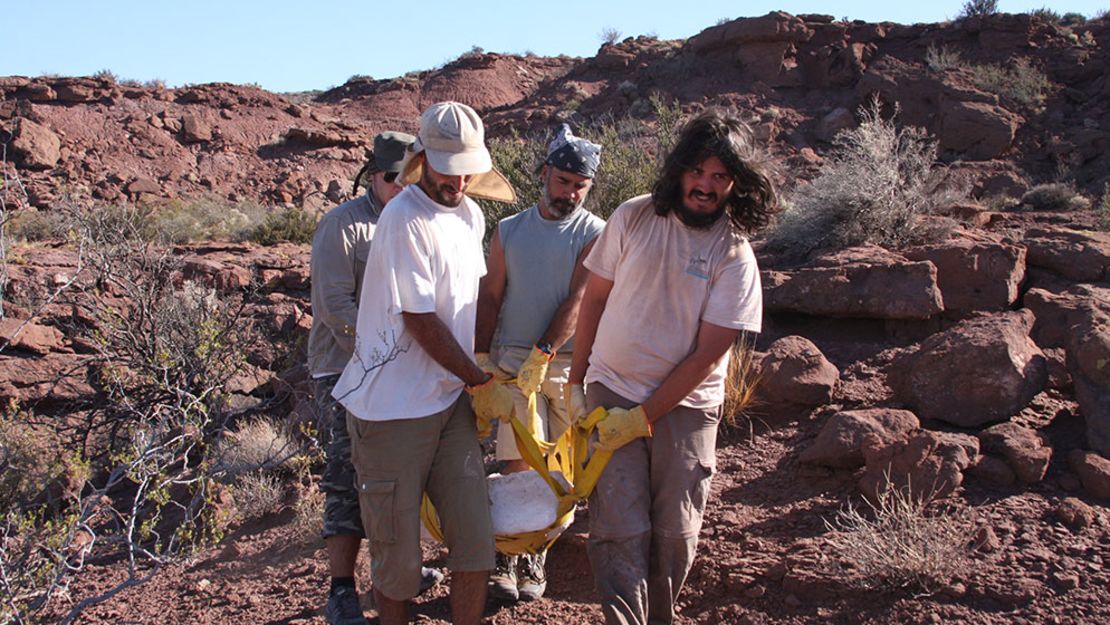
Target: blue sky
(294, 46)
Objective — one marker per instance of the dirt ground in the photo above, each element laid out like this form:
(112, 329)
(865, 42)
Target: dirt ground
(762, 559)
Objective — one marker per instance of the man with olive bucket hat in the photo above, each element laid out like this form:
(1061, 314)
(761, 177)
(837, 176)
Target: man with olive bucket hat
(412, 429)
(339, 250)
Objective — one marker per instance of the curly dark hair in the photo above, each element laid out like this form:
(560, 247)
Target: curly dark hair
(715, 132)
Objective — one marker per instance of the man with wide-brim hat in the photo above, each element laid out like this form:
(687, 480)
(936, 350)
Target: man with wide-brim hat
(413, 431)
(339, 250)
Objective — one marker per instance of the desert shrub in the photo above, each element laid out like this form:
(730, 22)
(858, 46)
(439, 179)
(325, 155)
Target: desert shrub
(740, 383)
(309, 511)
(878, 182)
(609, 35)
(1053, 197)
(903, 539)
(32, 225)
(1046, 14)
(1103, 210)
(141, 485)
(979, 8)
(942, 58)
(257, 494)
(257, 444)
(203, 219)
(294, 224)
(1019, 85)
(1073, 19)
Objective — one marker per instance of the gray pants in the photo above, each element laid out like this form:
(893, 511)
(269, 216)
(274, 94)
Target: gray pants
(646, 512)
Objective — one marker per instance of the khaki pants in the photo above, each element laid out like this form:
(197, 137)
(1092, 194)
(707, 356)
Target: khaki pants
(646, 512)
(549, 407)
(396, 463)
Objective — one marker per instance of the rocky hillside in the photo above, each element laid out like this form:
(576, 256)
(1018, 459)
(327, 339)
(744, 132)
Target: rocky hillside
(801, 78)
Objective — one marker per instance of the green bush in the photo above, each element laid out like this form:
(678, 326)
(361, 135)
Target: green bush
(1054, 197)
(1019, 85)
(32, 225)
(878, 182)
(294, 224)
(203, 219)
(979, 8)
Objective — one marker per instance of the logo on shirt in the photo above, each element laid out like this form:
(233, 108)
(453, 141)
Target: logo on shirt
(698, 266)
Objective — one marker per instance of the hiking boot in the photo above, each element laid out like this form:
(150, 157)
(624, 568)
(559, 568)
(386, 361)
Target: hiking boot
(343, 608)
(429, 577)
(532, 577)
(502, 582)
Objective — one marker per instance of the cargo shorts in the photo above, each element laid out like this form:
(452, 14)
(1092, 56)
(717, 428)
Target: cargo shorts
(396, 463)
(341, 511)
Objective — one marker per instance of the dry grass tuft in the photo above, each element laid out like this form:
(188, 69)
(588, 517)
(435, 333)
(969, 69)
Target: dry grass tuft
(257, 494)
(257, 444)
(903, 540)
(740, 384)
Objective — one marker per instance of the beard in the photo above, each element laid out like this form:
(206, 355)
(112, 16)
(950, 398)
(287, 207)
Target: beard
(699, 220)
(443, 194)
(560, 207)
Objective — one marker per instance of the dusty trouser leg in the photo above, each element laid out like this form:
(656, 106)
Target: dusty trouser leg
(620, 525)
(682, 464)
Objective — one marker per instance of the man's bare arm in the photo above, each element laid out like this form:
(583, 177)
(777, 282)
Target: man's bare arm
(710, 346)
(436, 339)
(491, 292)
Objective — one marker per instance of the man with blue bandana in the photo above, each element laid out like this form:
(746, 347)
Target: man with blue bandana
(527, 308)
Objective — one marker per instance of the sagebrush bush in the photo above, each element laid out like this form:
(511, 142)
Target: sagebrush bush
(1103, 210)
(942, 58)
(1053, 197)
(33, 225)
(258, 444)
(257, 494)
(295, 225)
(979, 8)
(904, 539)
(1019, 84)
(204, 219)
(1046, 14)
(877, 184)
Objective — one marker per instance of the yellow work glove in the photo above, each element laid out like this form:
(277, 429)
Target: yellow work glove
(534, 370)
(485, 363)
(490, 400)
(574, 400)
(621, 427)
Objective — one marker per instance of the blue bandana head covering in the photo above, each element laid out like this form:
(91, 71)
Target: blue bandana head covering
(574, 154)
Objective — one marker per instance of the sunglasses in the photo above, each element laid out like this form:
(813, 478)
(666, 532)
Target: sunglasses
(390, 176)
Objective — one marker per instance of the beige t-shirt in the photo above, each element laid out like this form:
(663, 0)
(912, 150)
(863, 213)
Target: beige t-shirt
(667, 279)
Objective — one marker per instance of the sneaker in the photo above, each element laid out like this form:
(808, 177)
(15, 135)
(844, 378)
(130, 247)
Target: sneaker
(343, 608)
(502, 582)
(429, 577)
(533, 577)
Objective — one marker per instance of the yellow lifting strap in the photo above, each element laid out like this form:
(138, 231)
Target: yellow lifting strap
(568, 455)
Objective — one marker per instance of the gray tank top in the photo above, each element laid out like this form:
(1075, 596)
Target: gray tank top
(539, 261)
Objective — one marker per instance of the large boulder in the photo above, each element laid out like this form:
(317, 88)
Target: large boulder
(1094, 404)
(983, 370)
(794, 378)
(859, 282)
(975, 275)
(30, 336)
(1058, 312)
(1093, 471)
(839, 444)
(1079, 256)
(978, 131)
(35, 146)
(1025, 450)
(923, 464)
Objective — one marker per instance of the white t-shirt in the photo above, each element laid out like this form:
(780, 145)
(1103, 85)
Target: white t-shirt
(426, 258)
(667, 279)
